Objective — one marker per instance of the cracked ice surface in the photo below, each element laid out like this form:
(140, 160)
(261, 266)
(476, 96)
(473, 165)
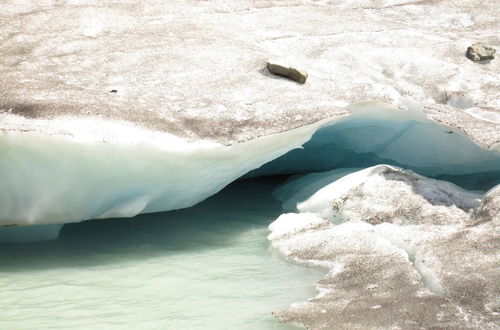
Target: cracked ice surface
(407, 251)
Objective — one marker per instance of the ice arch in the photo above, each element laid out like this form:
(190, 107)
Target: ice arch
(51, 179)
(378, 134)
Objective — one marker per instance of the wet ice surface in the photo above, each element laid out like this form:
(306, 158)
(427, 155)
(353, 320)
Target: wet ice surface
(207, 267)
(401, 250)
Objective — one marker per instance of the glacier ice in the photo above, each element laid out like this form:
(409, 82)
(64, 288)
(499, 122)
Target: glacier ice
(106, 169)
(54, 67)
(394, 239)
(299, 188)
(378, 134)
(58, 179)
(370, 282)
(388, 194)
(170, 76)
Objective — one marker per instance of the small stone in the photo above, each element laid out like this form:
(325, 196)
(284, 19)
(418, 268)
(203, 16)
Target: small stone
(480, 51)
(114, 91)
(289, 72)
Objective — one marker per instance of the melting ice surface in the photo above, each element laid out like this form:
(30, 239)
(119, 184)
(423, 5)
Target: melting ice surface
(207, 267)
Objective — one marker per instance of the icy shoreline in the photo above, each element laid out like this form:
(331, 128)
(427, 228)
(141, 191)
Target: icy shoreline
(401, 250)
(207, 267)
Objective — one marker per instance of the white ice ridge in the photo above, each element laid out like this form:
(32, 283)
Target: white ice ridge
(105, 170)
(376, 193)
(420, 249)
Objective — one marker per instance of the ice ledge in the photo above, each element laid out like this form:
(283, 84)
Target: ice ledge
(67, 178)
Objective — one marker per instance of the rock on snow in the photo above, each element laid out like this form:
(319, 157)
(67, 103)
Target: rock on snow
(480, 52)
(281, 69)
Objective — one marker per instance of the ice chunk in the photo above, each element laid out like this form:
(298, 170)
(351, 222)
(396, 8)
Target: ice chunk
(389, 194)
(292, 223)
(301, 187)
(489, 210)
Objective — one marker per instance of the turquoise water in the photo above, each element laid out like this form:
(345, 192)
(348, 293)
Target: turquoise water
(206, 267)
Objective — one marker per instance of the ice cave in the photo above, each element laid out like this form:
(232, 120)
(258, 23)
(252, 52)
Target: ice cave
(155, 173)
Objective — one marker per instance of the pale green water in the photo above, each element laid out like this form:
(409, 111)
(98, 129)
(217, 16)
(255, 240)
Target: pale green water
(207, 267)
